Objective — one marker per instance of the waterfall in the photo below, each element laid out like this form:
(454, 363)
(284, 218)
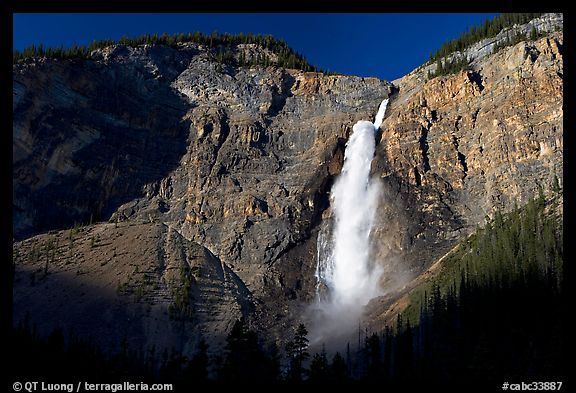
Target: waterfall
(380, 114)
(346, 276)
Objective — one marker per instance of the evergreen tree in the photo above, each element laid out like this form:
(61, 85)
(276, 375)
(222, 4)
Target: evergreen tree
(387, 362)
(556, 185)
(319, 369)
(244, 361)
(297, 351)
(405, 353)
(338, 368)
(373, 357)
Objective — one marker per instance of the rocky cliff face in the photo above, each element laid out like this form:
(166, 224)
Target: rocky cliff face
(454, 149)
(206, 185)
(234, 163)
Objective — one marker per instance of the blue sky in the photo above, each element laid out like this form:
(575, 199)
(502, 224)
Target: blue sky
(383, 45)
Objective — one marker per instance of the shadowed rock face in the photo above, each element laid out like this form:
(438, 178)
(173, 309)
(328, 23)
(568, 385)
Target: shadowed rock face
(139, 283)
(215, 179)
(87, 137)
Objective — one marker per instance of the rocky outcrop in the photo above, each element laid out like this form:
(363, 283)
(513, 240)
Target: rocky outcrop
(207, 184)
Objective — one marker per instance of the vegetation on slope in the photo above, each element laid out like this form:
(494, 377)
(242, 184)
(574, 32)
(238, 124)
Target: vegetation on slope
(496, 306)
(513, 39)
(474, 34)
(523, 244)
(449, 66)
(223, 45)
(490, 28)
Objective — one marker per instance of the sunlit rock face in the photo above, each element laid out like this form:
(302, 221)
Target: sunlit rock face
(456, 148)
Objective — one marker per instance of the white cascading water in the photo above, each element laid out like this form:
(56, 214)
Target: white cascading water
(345, 272)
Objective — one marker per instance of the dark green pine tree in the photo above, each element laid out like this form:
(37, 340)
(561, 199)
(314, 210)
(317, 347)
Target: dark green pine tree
(319, 369)
(373, 358)
(297, 351)
(533, 34)
(242, 59)
(556, 185)
(439, 67)
(387, 363)
(405, 353)
(338, 369)
(244, 361)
